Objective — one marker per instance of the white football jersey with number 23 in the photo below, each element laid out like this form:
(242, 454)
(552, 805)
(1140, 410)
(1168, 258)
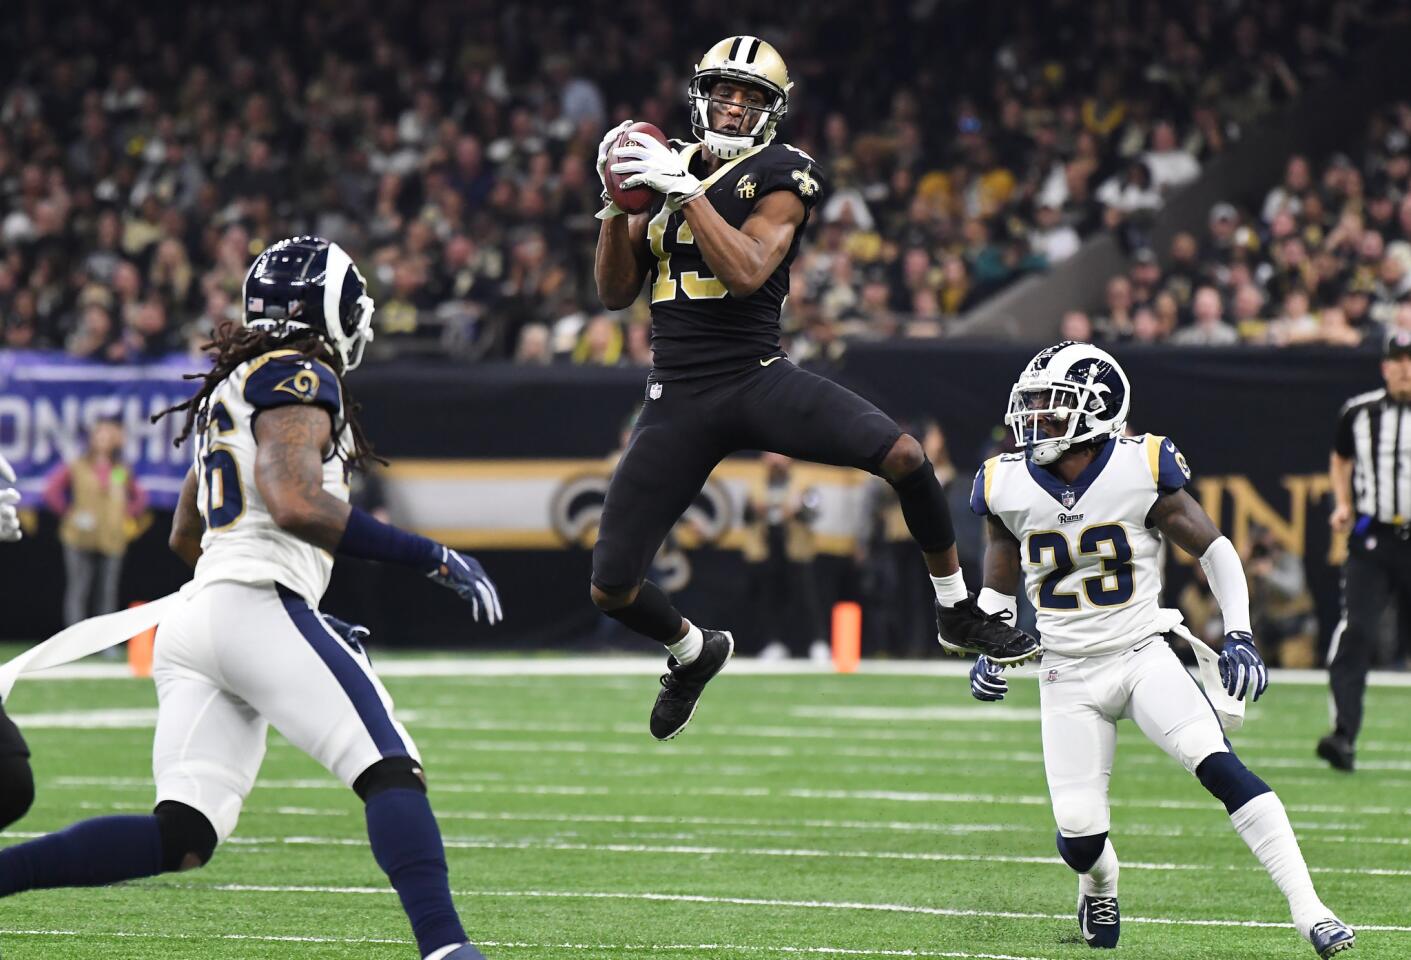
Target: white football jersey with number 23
(1091, 564)
(241, 540)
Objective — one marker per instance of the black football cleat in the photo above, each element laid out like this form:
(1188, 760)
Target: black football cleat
(1338, 751)
(681, 686)
(1100, 921)
(965, 628)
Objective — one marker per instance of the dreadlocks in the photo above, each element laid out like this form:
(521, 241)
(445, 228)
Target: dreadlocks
(233, 345)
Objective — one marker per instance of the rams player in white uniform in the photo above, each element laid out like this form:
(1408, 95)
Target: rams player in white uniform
(1082, 511)
(261, 515)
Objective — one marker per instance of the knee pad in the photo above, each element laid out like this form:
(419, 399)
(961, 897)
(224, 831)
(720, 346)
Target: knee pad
(1083, 814)
(390, 773)
(1081, 853)
(16, 788)
(1229, 780)
(184, 830)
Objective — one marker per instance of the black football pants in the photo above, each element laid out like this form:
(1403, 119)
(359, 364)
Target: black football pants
(689, 426)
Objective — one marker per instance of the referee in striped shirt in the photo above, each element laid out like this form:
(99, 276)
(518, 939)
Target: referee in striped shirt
(1371, 481)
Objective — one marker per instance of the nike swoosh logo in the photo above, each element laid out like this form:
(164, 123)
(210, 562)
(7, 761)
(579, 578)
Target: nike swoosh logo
(765, 363)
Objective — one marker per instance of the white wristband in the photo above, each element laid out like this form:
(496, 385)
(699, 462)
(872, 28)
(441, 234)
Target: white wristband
(1226, 575)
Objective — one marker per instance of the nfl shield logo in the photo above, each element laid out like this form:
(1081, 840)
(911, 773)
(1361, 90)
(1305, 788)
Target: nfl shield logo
(1069, 499)
(654, 391)
(1051, 676)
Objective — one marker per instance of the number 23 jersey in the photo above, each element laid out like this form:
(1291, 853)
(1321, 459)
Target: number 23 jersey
(1091, 564)
(241, 540)
(698, 327)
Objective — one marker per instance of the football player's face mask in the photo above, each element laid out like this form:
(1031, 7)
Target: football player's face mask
(1069, 394)
(738, 72)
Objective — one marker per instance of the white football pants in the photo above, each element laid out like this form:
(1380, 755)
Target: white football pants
(1082, 699)
(233, 659)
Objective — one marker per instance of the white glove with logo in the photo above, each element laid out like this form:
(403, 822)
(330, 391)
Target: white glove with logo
(656, 165)
(9, 515)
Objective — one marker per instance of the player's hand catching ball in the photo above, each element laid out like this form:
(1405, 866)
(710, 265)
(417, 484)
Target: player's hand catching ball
(608, 139)
(657, 166)
(468, 579)
(987, 681)
(612, 209)
(1242, 670)
(9, 514)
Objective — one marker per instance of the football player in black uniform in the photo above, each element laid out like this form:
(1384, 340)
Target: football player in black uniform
(718, 245)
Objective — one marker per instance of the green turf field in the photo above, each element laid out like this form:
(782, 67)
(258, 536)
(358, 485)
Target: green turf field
(800, 815)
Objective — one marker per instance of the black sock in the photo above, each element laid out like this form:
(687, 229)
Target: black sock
(923, 506)
(651, 614)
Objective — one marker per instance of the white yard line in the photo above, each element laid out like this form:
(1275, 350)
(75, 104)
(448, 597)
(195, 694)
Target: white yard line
(520, 945)
(1309, 831)
(451, 785)
(760, 902)
(147, 718)
(389, 664)
(461, 843)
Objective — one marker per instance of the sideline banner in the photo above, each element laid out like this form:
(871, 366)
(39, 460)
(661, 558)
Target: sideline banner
(48, 400)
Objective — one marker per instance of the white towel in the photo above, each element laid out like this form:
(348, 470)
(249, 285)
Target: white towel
(1227, 708)
(86, 637)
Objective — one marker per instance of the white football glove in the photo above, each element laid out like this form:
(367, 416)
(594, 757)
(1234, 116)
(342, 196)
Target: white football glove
(656, 165)
(609, 138)
(9, 514)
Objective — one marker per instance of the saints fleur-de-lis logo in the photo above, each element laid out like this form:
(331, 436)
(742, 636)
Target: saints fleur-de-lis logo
(808, 186)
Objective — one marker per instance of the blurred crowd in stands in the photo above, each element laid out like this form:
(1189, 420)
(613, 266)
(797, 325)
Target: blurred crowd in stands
(1325, 258)
(448, 145)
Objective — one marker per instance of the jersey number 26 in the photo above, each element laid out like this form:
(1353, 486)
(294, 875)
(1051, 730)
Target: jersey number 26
(224, 501)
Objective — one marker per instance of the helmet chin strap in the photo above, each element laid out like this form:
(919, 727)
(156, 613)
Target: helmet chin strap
(1047, 453)
(725, 146)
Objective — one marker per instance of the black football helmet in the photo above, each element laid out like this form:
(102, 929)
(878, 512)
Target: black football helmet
(309, 283)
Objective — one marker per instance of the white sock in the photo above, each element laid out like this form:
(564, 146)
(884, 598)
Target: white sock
(950, 590)
(688, 648)
(1264, 825)
(1101, 880)
(443, 951)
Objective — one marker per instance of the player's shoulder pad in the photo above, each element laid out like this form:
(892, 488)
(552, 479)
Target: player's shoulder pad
(284, 377)
(1169, 470)
(783, 166)
(983, 491)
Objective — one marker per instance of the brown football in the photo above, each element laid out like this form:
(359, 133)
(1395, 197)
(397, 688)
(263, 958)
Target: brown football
(638, 199)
